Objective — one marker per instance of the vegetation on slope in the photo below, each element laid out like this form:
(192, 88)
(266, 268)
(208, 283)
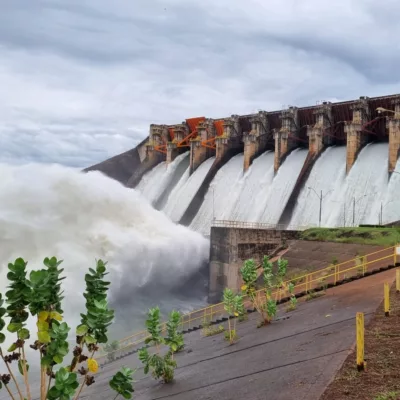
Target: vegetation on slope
(365, 235)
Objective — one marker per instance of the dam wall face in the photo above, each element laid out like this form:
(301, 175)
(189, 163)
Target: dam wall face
(352, 123)
(287, 167)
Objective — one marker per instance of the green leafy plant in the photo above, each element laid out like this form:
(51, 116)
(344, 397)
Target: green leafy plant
(230, 336)
(233, 305)
(161, 366)
(263, 302)
(174, 338)
(65, 386)
(110, 349)
(122, 383)
(40, 295)
(293, 300)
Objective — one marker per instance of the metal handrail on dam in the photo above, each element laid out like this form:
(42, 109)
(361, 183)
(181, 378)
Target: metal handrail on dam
(256, 225)
(307, 283)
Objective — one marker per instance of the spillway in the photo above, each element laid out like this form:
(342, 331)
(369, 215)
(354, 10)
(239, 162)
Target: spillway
(272, 200)
(364, 186)
(256, 196)
(259, 195)
(185, 190)
(157, 184)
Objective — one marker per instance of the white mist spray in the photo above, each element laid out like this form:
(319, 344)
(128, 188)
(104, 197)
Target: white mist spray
(57, 211)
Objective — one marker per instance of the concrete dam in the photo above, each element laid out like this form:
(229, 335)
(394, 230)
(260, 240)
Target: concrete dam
(332, 164)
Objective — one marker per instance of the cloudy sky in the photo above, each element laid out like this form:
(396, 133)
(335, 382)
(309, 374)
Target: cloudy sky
(81, 80)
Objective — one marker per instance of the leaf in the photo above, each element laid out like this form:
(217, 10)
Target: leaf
(43, 315)
(20, 366)
(42, 326)
(58, 359)
(12, 348)
(89, 339)
(93, 366)
(81, 330)
(14, 327)
(23, 334)
(55, 315)
(44, 337)
(2, 338)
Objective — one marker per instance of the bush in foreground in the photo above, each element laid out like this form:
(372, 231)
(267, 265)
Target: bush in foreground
(40, 296)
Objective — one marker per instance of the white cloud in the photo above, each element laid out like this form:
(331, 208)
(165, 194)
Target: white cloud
(82, 80)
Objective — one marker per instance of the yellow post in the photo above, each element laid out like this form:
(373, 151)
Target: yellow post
(360, 340)
(336, 271)
(398, 280)
(386, 299)
(365, 264)
(394, 255)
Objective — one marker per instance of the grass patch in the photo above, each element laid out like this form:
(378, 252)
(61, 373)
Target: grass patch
(211, 330)
(387, 396)
(372, 236)
(314, 295)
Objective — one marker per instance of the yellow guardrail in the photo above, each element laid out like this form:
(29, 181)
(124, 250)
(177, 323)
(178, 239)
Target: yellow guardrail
(305, 283)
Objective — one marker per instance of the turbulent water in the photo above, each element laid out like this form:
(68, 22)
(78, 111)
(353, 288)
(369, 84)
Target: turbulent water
(185, 190)
(52, 210)
(158, 183)
(356, 197)
(256, 196)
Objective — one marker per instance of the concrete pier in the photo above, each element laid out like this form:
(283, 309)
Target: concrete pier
(320, 134)
(393, 125)
(231, 138)
(285, 138)
(356, 139)
(255, 141)
(199, 149)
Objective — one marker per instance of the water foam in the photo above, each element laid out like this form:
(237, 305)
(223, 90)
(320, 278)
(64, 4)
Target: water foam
(53, 210)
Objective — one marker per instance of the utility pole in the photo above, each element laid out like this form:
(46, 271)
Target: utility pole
(320, 209)
(355, 201)
(321, 197)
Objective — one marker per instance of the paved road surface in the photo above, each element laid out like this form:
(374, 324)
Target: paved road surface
(293, 358)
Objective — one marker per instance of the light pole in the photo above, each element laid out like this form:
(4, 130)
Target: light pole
(321, 197)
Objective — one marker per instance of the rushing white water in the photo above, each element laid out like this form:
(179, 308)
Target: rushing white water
(221, 196)
(273, 199)
(256, 196)
(162, 178)
(57, 211)
(365, 185)
(327, 175)
(250, 188)
(185, 190)
(390, 202)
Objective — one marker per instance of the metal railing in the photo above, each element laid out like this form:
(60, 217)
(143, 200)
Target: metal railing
(256, 225)
(305, 283)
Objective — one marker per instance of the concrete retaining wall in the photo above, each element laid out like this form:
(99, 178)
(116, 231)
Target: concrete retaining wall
(229, 247)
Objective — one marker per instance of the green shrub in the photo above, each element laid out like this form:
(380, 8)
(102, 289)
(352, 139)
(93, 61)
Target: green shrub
(161, 366)
(40, 295)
